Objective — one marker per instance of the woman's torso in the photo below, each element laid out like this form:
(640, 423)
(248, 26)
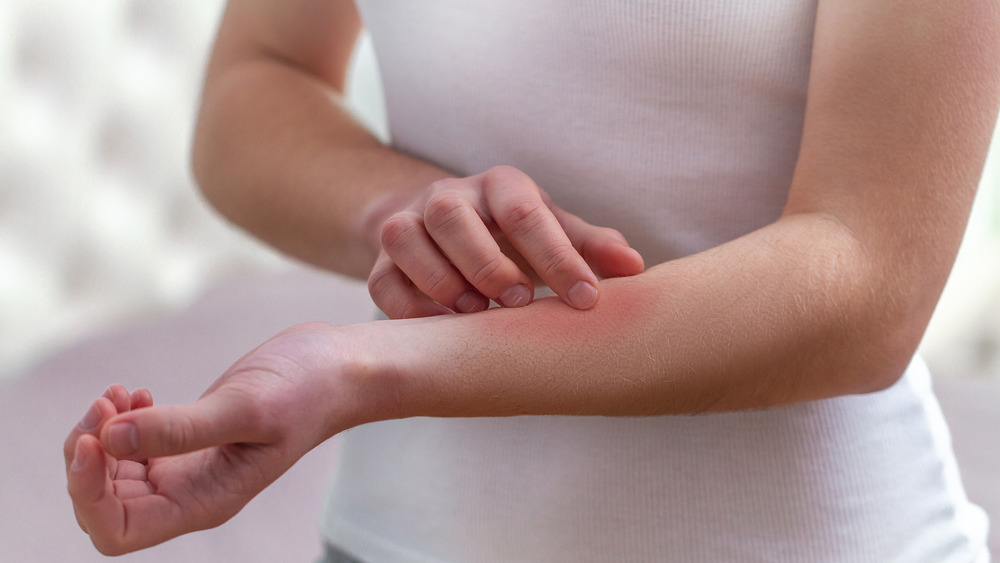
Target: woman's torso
(678, 123)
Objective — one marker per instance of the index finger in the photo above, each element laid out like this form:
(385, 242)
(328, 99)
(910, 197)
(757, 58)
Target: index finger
(525, 218)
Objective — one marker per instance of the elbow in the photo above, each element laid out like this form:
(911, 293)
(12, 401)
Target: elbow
(898, 308)
(856, 357)
(868, 318)
(896, 346)
(881, 375)
(890, 325)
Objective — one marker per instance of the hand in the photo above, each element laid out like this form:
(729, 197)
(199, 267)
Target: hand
(465, 241)
(247, 429)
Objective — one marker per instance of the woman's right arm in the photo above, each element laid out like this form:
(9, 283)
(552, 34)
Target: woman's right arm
(278, 153)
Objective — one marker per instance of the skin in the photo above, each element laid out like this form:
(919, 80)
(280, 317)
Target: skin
(831, 299)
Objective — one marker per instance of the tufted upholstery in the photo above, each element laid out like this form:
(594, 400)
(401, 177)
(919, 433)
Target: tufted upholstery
(100, 222)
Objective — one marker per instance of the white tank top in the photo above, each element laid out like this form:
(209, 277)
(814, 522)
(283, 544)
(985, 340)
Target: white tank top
(678, 123)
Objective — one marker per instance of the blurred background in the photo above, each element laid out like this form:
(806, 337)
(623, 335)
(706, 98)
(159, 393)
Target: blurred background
(112, 268)
(100, 222)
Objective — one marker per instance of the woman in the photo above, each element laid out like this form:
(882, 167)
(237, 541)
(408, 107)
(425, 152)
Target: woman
(797, 176)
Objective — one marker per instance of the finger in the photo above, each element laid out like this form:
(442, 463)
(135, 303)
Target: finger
(120, 397)
(129, 471)
(460, 232)
(604, 249)
(141, 398)
(98, 511)
(100, 411)
(405, 240)
(526, 220)
(161, 431)
(395, 296)
(129, 488)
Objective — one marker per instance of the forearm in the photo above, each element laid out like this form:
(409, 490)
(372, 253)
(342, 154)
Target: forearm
(768, 319)
(279, 154)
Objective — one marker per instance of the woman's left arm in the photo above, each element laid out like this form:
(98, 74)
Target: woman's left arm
(831, 299)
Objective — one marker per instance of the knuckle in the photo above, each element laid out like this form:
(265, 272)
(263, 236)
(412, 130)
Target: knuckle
(504, 174)
(442, 185)
(380, 282)
(444, 211)
(439, 282)
(397, 230)
(523, 215)
(503, 177)
(558, 260)
(488, 272)
(381, 288)
(176, 435)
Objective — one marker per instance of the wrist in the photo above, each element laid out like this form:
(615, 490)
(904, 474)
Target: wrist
(364, 384)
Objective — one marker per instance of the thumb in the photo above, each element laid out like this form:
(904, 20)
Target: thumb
(605, 250)
(170, 430)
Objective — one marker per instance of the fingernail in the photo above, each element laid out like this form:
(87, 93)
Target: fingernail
(79, 457)
(470, 303)
(515, 296)
(123, 438)
(582, 295)
(90, 420)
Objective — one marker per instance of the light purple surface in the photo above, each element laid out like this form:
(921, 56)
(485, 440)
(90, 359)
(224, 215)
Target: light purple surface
(177, 357)
(972, 407)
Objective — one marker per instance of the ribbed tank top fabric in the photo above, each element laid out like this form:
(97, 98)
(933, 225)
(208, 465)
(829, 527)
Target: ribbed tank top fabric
(678, 123)
(864, 478)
